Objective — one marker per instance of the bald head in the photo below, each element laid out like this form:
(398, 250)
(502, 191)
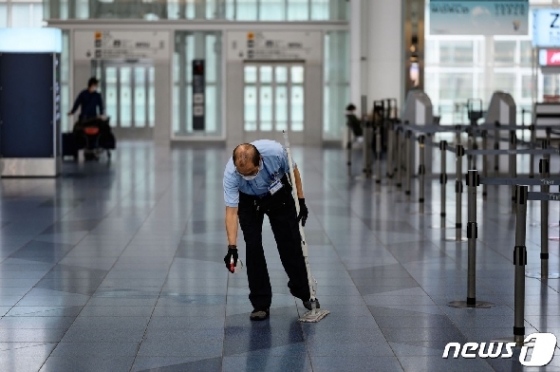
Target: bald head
(246, 159)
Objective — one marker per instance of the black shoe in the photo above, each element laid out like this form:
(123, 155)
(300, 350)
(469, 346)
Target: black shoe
(259, 315)
(307, 304)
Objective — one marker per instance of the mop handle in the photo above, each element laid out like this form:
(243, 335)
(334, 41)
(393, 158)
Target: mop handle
(301, 231)
(293, 179)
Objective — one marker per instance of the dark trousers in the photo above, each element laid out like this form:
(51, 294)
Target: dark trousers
(281, 210)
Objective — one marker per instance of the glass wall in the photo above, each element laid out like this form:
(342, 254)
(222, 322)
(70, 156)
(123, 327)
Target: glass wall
(337, 82)
(188, 47)
(461, 67)
(235, 10)
(16, 13)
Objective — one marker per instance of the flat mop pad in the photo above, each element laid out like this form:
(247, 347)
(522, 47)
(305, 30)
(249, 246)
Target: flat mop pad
(314, 315)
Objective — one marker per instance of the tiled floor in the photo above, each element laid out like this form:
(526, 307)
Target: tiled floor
(119, 268)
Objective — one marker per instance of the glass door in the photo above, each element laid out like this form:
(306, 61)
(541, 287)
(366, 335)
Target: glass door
(274, 101)
(128, 93)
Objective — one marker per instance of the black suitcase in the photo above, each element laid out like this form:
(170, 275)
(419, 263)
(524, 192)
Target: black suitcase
(69, 145)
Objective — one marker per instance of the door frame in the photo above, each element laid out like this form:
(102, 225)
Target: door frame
(131, 132)
(296, 137)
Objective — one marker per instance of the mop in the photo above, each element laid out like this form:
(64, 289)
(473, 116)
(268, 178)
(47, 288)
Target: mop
(314, 315)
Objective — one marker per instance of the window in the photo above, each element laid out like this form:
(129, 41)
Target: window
(3, 15)
(452, 52)
(21, 13)
(234, 10)
(504, 51)
(505, 82)
(474, 66)
(337, 82)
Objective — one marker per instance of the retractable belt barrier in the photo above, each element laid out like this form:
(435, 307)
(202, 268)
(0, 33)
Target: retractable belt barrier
(514, 152)
(473, 181)
(520, 250)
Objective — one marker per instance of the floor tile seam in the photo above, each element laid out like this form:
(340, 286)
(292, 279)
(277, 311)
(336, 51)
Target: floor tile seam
(90, 297)
(26, 293)
(347, 271)
(190, 213)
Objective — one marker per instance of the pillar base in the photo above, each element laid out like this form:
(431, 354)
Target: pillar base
(454, 239)
(537, 275)
(467, 305)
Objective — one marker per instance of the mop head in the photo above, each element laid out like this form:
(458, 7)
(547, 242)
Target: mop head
(314, 316)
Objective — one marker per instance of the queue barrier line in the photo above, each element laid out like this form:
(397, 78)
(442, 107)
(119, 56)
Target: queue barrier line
(514, 152)
(507, 181)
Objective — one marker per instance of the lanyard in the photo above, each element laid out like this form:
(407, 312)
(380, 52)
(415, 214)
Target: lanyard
(249, 182)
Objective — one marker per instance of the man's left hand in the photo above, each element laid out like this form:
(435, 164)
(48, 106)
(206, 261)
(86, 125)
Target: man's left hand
(303, 211)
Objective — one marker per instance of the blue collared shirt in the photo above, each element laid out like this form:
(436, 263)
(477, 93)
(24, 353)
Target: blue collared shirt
(275, 166)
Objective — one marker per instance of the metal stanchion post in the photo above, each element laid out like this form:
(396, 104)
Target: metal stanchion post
(484, 162)
(520, 261)
(512, 165)
(533, 130)
(399, 152)
(545, 144)
(390, 149)
(458, 196)
(429, 155)
(472, 146)
(458, 135)
(523, 125)
(443, 184)
(473, 182)
(367, 149)
(378, 152)
(409, 147)
(544, 170)
(367, 140)
(421, 172)
(497, 147)
(349, 152)
(443, 180)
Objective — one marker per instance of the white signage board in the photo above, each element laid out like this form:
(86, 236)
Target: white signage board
(274, 45)
(546, 28)
(479, 17)
(118, 45)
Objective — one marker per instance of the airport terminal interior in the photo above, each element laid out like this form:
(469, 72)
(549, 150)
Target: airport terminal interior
(411, 180)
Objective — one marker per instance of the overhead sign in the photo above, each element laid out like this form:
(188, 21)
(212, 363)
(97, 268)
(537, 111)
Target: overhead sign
(279, 46)
(457, 17)
(546, 28)
(117, 45)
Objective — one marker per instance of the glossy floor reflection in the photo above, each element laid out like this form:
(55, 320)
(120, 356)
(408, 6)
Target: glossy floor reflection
(119, 268)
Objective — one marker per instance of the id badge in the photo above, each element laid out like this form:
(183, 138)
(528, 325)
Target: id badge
(276, 185)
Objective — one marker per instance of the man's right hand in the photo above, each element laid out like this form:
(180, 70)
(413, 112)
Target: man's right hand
(232, 254)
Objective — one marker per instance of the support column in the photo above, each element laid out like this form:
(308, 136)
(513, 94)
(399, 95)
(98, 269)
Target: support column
(355, 53)
(356, 8)
(385, 59)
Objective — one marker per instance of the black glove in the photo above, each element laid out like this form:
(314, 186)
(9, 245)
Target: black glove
(303, 212)
(232, 253)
